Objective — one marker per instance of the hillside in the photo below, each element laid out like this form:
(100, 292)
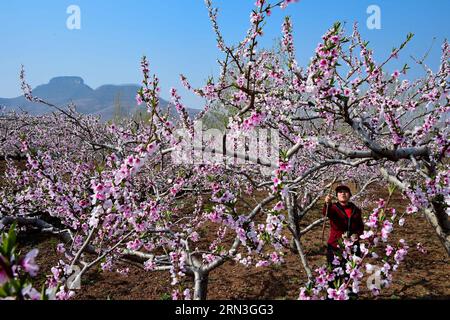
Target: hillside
(104, 101)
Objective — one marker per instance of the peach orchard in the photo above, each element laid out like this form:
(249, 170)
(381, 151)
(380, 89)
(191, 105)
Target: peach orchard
(114, 195)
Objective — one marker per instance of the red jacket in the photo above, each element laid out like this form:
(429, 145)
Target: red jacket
(340, 222)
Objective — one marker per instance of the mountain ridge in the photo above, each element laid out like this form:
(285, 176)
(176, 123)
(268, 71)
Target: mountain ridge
(106, 100)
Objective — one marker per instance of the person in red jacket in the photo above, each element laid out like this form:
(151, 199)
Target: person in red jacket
(344, 216)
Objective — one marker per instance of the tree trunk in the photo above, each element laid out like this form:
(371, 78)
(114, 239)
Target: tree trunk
(301, 253)
(294, 222)
(201, 285)
(295, 229)
(438, 219)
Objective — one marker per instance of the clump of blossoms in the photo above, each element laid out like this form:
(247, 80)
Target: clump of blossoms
(371, 255)
(17, 272)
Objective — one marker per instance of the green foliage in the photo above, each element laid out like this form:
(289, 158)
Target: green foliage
(166, 296)
(8, 242)
(13, 286)
(15, 277)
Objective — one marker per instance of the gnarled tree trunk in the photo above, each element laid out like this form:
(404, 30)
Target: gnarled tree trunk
(200, 284)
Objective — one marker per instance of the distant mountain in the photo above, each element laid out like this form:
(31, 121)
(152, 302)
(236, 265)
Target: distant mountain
(107, 100)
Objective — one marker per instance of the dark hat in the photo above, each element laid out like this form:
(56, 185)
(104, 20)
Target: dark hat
(343, 188)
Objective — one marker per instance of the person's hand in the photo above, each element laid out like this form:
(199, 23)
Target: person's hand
(328, 199)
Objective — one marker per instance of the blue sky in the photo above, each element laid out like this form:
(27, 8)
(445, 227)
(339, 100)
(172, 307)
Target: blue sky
(177, 36)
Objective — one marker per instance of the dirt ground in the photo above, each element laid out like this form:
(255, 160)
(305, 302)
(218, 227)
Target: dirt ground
(424, 276)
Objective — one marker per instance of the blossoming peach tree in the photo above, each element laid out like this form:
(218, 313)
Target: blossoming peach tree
(120, 193)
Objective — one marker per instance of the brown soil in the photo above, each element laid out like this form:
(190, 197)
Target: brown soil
(420, 275)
